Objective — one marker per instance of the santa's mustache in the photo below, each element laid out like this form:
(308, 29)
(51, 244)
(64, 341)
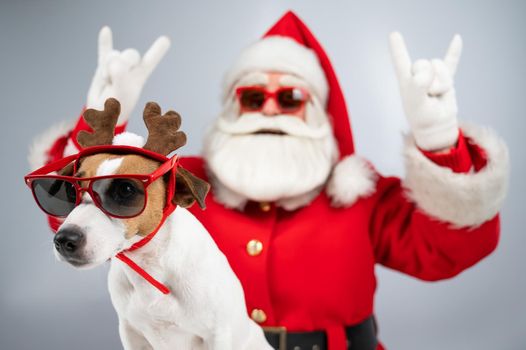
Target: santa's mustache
(252, 123)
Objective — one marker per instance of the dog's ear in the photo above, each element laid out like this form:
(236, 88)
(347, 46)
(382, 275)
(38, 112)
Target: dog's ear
(189, 189)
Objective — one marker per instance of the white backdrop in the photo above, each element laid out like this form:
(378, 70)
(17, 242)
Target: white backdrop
(48, 55)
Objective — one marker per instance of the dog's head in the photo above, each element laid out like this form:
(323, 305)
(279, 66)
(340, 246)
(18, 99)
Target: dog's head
(124, 209)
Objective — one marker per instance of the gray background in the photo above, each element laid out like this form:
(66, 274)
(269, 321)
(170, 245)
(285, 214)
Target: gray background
(48, 55)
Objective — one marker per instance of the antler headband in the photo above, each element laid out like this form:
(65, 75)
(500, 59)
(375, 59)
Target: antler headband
(163, 134)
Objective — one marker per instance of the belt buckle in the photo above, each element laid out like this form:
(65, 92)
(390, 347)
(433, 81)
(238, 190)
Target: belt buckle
(281, 332)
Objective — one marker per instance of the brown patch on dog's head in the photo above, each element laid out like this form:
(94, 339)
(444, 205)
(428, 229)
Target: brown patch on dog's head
(153, 212)
(148, 220)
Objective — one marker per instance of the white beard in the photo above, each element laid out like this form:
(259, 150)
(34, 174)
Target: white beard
(287, 169)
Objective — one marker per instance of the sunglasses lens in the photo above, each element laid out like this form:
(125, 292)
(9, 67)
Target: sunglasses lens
(56, 197)
(123, 197)
(291, 99)
(252, 99)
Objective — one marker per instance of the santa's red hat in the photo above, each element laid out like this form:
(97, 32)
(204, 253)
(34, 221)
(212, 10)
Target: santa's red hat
(290, 47)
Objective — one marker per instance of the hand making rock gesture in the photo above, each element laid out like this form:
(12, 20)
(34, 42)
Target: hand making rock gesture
(122, 74)
(428, 94)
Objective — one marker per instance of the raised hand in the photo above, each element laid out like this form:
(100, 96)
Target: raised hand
(428, 94)
(122, 74)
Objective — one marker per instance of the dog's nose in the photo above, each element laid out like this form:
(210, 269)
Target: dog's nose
(69, 240)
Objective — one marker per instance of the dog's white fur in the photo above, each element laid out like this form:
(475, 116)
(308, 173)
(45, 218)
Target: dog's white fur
(206, 306)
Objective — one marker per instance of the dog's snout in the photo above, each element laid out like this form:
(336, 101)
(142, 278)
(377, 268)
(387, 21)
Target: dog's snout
(69, 240)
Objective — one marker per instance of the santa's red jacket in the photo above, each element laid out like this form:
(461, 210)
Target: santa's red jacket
(313, 268)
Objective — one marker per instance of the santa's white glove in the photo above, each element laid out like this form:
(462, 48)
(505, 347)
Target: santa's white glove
(428, 94)
(122, 74)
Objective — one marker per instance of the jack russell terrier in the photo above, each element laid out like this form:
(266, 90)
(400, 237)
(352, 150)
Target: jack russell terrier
(115, 198)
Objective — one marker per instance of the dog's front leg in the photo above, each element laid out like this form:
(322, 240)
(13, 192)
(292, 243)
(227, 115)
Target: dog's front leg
(131, 339)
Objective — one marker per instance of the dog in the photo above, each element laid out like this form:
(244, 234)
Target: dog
(200, 304)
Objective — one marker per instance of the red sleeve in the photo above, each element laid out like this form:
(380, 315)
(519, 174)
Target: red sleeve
(406, 239)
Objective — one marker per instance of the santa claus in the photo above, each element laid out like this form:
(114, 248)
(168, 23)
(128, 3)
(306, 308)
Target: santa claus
(302, 219)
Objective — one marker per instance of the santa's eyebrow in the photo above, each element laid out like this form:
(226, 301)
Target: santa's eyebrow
(253, 79)
(291, 80)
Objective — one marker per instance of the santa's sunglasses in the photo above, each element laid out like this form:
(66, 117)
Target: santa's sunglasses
(289, 99)
(119, 196)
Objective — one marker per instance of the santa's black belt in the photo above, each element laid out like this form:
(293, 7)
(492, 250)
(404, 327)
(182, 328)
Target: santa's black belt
(359, 337)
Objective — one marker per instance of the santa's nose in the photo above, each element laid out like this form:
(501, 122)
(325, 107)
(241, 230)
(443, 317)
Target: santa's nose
(270, 108)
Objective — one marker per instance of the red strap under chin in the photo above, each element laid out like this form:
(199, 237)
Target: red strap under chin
(169, 210)
(143, 273)
(145, 240)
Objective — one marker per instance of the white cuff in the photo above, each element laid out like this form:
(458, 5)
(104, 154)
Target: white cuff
(462, 199)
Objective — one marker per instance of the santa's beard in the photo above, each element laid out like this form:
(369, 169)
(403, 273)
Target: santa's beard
(292, 161)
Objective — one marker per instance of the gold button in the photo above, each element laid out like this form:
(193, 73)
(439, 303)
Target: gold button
(265, 206)
(258, 315)
(254, 247)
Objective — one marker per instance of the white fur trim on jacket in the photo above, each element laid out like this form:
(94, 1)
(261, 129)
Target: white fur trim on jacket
(279, 54)
(462, 199)
(42, 143)
(351, 179)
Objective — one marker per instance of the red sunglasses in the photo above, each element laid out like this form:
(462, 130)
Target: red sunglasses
(119, 196)
(288, 98)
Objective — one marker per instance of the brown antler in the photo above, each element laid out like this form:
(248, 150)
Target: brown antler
(163, 136)
(102, 123)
